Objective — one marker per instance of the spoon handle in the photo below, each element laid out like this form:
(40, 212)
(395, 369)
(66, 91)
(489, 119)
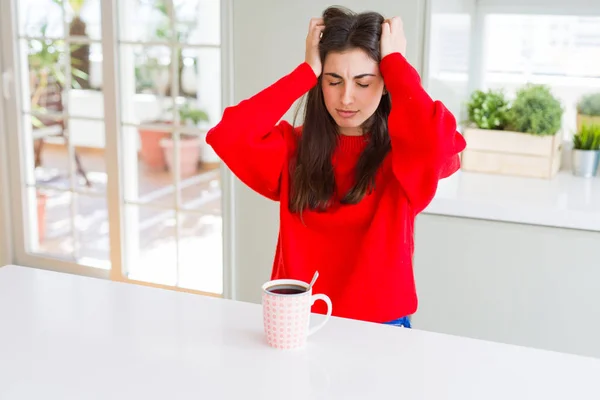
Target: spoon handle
(314, 279)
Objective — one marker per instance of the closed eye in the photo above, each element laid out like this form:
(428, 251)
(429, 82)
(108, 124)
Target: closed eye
(359, 84)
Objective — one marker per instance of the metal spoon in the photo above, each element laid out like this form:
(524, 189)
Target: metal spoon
(314, 279)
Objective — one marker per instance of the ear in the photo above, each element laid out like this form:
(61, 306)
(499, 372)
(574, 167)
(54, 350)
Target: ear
(384, 91)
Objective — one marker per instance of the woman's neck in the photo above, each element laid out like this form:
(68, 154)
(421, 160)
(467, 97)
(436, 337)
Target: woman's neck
(351, 131)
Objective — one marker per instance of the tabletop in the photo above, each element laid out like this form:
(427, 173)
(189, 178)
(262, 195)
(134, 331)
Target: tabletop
(566, 201)
(71, 337)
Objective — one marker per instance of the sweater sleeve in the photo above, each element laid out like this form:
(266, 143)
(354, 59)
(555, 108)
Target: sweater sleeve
(424, 140)
(250, 140)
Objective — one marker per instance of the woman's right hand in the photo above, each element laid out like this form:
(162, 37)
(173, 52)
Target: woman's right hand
(312, 56)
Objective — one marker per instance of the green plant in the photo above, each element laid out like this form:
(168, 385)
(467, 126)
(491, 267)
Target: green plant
(589, 105)
(488, 110)
(80, 52)
(181, 30)
(587, 138)
(187, 112)
(47, 77)
(535, 110)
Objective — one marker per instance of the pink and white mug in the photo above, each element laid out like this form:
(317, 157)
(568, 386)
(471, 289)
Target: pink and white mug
(286, 312)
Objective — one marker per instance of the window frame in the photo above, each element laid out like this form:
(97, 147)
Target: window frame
(16, 193)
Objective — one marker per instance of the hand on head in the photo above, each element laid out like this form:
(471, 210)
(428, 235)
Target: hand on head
(393, 39)
(312, 56)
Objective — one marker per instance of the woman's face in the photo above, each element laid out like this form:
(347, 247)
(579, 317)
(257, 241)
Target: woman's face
(352, 88)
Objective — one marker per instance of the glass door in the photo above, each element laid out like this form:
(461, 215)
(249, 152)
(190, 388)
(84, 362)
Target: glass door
(110, 174)
(169, 59)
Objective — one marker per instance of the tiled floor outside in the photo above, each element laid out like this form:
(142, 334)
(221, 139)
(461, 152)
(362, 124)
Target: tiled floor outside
(151, 238)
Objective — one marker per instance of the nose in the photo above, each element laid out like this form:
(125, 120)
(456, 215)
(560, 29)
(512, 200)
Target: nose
(347, 95)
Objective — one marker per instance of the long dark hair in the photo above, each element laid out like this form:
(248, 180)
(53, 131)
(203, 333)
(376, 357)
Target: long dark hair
(312, 179)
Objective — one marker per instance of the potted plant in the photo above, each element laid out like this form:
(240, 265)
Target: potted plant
(588, 110)
(488, 110)
(41, 214)
(151, 152)
(519, 138)
(586, 150)
(189, 145)
(152, 78)
(535, 110)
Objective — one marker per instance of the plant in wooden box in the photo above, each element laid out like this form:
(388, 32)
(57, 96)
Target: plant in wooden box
(588, 110)
(586, 150)
(488, 110)
(514, 139)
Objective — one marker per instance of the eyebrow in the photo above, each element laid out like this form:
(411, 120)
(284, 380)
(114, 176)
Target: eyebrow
(339, 77)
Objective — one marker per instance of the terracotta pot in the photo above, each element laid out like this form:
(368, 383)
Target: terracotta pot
(189, 153)
(151, 152)
(41, 215)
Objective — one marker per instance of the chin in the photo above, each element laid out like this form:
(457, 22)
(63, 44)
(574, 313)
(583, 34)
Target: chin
(348, 123)
(345, 124)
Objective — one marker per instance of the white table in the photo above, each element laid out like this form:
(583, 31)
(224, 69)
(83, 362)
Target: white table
(69, 337)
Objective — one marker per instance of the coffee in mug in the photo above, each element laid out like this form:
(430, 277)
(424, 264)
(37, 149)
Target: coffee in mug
(286, 312)
(286, 289)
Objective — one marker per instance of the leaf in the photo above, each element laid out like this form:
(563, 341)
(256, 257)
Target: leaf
(587, 138)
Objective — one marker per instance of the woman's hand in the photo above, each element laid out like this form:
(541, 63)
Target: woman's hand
(393, 39)
(312, 57)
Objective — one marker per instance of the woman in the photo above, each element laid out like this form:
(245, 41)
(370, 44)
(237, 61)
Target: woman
(352, 179)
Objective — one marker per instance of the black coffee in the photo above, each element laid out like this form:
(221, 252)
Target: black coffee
(286, 289)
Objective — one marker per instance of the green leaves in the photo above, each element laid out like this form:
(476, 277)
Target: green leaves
(187, 112)
(536, 111)
(589, 105)
(488, 110)
(588, 138)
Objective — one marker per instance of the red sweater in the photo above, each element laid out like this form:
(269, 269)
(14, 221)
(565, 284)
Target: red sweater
(363, 252)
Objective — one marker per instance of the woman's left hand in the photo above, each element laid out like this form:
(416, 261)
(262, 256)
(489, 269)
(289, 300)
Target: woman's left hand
(393, 39)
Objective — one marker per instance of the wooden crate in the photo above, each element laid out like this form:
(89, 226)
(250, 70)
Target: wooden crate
(587, 119)
(511, 153)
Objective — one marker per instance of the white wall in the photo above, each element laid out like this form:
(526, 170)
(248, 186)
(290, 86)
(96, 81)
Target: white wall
(520, 284)
(268, 43)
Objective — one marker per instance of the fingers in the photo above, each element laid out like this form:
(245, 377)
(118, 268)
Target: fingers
(393, 24)
(317, 32)
(316, 27)
(385, 28)
(314, 22)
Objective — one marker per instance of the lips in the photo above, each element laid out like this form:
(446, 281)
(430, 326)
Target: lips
(346, 113)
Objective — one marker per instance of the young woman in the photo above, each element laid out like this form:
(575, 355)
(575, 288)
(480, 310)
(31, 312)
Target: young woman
(352, 179)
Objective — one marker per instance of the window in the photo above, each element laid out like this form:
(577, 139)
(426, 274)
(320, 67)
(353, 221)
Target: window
(560, 51)
(112, 170)
(449, 59)
(495, 45)
(450, 35)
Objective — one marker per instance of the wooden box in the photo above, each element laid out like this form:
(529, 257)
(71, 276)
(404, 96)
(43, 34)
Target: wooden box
(511, 153)
(587, 119)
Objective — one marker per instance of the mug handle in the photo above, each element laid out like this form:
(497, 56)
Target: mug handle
(326, 299)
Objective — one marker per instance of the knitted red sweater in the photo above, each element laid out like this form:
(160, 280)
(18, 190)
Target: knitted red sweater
(363, 252)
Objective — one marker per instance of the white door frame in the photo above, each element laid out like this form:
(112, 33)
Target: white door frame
(6, 256)
(227, 178)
